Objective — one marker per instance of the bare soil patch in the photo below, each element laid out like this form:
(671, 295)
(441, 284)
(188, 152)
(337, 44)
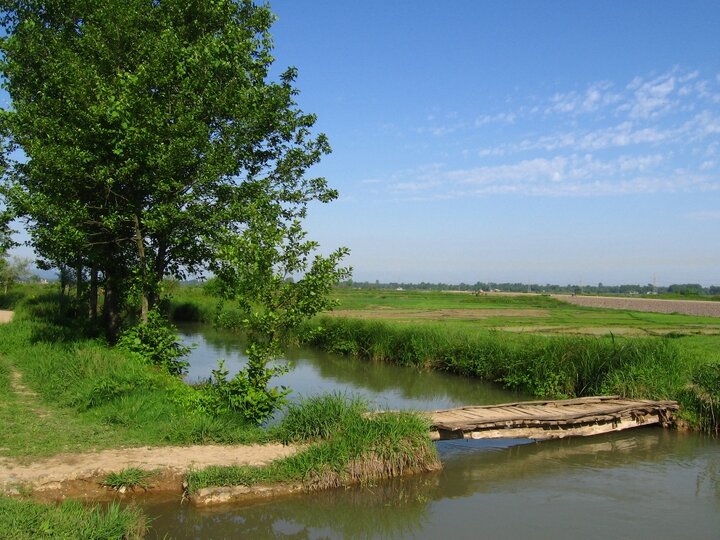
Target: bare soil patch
(80, 475)
(687, 307)
(582, 330)
(437, 314)
(6, 316)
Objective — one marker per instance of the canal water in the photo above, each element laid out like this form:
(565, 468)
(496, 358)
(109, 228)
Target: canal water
(647, 483)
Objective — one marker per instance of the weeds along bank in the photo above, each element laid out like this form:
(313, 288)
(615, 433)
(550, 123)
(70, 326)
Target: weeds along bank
(545, 366)
(110, 397)
(343, 445)
(87, 396)
(26, 520)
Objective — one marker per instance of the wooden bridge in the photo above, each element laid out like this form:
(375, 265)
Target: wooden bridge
(541, 420)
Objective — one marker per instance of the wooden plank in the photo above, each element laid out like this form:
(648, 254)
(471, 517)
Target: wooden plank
(602, 413)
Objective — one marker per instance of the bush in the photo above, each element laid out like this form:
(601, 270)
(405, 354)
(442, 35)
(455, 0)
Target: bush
(156, 342)
(242, 394)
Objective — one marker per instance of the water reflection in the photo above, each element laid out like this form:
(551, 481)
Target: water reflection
(648, 483)
(390, 509)
(644, 483)
(315, 372)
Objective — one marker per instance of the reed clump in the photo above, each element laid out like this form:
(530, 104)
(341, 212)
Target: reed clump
(345, 444)
(701, 396)
(543, 366)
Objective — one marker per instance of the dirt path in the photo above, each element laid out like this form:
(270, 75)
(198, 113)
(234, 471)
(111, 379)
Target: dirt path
(437, 314)
(688, 307)
(79, 475)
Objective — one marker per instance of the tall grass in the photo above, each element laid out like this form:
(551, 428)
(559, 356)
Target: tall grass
(116, 395)
(21, 520)
(701, 396)
(345, 444)
(544, 366)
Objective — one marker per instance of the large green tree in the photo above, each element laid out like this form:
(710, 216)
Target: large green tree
(149, 128)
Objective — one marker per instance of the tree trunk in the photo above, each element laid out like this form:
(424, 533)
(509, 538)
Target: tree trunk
(78, 278)
(111, 309)
(93, 295)
(63, 279)
(140, 242)
(158, 274)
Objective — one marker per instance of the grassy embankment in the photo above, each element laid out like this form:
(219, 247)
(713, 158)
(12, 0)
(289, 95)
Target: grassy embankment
(344, 445)
(62, 391)
(92, 397)
(533, 343)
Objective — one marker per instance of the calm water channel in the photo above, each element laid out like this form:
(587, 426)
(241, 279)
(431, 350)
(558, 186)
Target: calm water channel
(641, 484)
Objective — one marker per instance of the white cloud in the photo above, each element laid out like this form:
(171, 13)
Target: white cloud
(561, 175)
(595, 97)
(651, 98)
(657, 133)
(704, 215)
(627, 133)
(499, 118)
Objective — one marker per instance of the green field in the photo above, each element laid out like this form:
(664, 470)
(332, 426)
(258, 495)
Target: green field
(525, 313)
(533, 343)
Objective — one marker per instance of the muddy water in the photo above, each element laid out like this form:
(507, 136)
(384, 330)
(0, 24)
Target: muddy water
(640, 484)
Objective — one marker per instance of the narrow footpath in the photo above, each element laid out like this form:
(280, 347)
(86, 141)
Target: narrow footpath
(80, 475)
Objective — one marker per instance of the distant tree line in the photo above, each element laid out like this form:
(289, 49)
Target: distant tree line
(684, 289)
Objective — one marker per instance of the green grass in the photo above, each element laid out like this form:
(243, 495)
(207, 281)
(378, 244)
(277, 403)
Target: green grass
(81, 395)
(26, 520)
(345, 445)
(191, 303)
(64, 391)
(541, 365)
(701, 397)
(544, 313)
(543, 346)
(130, 478)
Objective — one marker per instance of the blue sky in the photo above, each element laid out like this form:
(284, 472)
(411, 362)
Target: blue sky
(546, 142)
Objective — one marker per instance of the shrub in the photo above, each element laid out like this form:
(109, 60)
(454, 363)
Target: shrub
(246, 394)
(156, 342)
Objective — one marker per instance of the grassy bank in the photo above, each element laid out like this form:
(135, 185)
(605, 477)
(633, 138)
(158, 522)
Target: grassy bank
(544, 366)
(344, 444)
(91, 396)
(27, 520)
(63, 390)
(534, 343)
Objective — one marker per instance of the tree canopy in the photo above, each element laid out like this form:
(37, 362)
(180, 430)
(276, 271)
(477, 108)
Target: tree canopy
(151, 128)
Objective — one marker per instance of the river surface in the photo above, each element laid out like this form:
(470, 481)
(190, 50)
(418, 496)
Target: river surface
(646, 483)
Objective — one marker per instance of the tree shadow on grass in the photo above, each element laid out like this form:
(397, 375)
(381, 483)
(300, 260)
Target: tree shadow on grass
(59, 319)
(10, 299)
